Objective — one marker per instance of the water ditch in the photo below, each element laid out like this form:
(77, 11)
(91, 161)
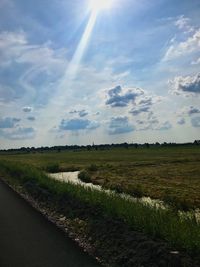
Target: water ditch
(72, 177)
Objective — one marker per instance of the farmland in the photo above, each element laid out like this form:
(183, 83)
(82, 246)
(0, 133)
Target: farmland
(171, 174)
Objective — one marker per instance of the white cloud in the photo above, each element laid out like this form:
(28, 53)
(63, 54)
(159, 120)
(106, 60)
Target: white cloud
(164, 126)
(183, 23)
(12, 45)
(151, 122)
(183, 48)
(118, 97)
(8, 39)
(190, 111)
(187, 85)
(81, 113)
(144, 104)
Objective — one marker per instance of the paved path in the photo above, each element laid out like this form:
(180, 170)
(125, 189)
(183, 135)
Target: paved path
(27, 239)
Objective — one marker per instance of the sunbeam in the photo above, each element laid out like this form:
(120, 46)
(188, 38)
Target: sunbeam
(66, 83)
(75, 62)
(95, 6)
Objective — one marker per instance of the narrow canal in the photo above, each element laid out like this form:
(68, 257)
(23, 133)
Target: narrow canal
(27, 239)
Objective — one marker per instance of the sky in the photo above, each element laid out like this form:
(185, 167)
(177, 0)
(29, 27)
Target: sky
(72, 74)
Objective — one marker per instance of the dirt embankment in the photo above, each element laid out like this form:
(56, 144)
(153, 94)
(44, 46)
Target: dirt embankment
(108, 239)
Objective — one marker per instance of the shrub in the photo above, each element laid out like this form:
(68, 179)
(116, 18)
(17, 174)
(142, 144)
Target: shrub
(52, 168)
(84, 177)
(93, 168)
(116, 187)
(135, 191)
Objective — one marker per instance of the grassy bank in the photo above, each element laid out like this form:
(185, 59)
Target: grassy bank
(157, 223)
(167, 173)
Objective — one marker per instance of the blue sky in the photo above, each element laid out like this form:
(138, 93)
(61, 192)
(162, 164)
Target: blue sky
(130, 73)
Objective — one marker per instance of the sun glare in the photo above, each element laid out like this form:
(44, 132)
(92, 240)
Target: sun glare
(98, 5)
(95, 6)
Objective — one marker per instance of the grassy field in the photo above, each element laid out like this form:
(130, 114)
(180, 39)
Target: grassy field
(158, 223)
(168, 173)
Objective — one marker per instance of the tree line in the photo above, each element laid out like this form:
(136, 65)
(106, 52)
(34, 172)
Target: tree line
(95, 147)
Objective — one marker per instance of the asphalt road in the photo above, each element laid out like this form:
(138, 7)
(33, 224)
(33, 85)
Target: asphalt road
(27, 239)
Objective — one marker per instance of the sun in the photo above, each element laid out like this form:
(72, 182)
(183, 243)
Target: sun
(98, 5)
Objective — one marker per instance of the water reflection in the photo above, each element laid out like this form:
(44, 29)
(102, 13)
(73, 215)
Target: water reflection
(73, 178)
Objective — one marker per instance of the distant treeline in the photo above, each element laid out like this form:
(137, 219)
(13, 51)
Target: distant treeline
(95, 147)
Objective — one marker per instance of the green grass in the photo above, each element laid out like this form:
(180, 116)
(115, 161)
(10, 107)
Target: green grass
(165, 224)
(171, 174)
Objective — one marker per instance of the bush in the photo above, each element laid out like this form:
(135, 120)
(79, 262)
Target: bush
(135, 191)
(52, 168)
(93, 168)
(84, 177)
(177, 203)
(116, 187)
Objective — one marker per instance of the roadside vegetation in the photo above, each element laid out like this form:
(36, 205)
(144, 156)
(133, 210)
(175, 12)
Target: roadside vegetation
(157, 223)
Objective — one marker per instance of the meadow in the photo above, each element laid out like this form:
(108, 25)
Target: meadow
(171, 174)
